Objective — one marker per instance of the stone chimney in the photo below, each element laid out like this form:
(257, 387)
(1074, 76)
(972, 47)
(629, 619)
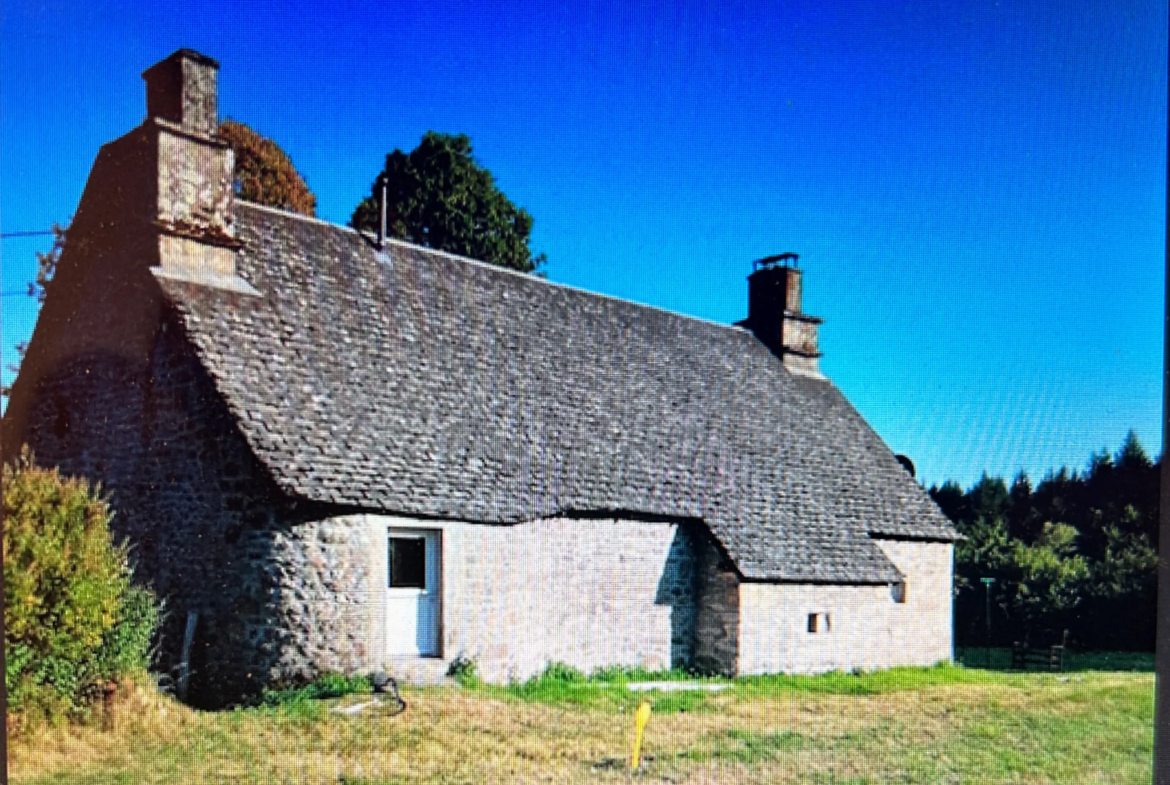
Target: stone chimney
(158, 204)
(181, 90)
(774, 315)
(195, 191)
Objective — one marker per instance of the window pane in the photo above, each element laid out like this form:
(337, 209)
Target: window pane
(408, 556)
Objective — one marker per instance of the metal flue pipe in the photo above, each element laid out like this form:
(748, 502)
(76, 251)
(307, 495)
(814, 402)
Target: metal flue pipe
(382, 224)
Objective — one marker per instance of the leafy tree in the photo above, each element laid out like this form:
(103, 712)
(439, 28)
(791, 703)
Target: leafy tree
(38, 288)
(264, 173)
(1122, 593)
(1132, 455)
(73, 621)
(1049, 580)
(989, 498)
(985, 552)
(1057, 497)
(47, 264)
(1024, 521)
(1078, 552)
(440, 197)
(951, 500)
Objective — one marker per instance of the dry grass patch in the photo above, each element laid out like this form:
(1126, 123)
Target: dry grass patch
(1017, 729)
(138, 711)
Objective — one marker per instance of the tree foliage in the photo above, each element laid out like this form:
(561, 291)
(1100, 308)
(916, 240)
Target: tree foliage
(73, 621)
(440, 197)
(38, 288)
(264, 173)
(47, 264)
(1077, 552)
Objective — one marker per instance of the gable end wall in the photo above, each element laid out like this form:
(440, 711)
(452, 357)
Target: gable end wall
(867, 628)
(188, 496)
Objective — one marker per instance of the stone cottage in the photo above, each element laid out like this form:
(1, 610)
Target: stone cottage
(347, 455)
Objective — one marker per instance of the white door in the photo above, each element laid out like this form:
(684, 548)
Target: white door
(412, 593)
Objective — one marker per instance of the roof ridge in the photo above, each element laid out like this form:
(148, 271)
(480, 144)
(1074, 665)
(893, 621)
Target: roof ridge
(494, 268)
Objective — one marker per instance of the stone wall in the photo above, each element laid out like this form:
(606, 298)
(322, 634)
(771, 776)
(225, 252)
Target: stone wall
(327, 577)
(586, 592)
(717, 615)
(867, 628)
(199, 513)
(276, 587)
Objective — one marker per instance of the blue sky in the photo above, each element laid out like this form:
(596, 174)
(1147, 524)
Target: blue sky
(977, 190)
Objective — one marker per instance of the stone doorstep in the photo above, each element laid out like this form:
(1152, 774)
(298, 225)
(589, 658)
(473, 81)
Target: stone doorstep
(418, 671)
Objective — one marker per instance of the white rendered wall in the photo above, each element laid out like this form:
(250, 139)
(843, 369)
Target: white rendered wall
(589, 593)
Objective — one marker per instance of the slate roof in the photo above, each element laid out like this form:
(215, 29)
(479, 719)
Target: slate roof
(417, 382)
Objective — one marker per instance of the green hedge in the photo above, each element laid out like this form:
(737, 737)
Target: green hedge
(73, 620)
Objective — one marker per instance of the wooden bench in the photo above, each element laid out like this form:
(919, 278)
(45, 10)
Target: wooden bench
(1049, 658)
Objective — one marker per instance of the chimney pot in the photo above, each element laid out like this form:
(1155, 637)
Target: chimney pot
(181, 90)
(775, 316)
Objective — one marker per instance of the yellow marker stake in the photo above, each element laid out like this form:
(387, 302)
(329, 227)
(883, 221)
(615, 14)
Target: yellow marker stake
(641, 717)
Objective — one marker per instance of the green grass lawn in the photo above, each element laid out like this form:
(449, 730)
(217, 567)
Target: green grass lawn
(906, 725)
(1001, 659)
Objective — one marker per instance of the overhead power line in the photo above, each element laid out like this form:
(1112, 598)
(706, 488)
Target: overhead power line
(10, 235)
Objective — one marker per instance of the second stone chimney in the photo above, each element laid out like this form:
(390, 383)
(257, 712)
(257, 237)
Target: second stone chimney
(775, 316)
